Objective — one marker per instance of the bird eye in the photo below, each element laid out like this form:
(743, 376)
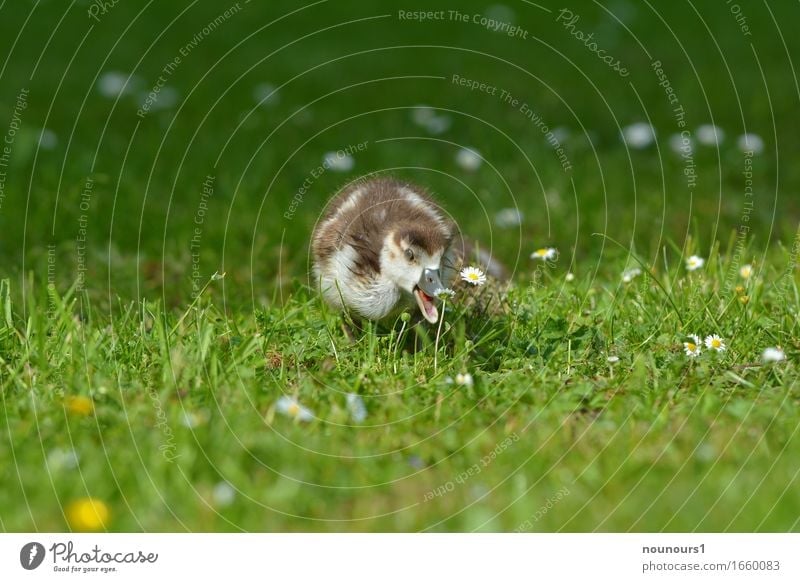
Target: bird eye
(409, 254)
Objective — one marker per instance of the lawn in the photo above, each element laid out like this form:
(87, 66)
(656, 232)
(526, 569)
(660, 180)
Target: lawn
(167, 365)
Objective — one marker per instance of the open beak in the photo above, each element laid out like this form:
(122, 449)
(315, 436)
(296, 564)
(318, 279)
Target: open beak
(425, 291)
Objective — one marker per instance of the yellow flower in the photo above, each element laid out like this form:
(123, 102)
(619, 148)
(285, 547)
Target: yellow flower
(79, 405)
(87, 514)
(744, 299)
(739, 289)
(746, 271)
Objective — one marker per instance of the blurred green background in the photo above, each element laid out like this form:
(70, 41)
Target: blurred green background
(347, 73)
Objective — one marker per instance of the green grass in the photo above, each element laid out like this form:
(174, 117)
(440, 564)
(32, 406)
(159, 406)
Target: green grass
(184, 390)
(655, 441)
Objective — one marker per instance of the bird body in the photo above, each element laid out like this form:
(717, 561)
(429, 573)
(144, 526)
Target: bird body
(382, 246)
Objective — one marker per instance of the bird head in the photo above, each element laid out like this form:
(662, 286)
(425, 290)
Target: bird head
(412, 259)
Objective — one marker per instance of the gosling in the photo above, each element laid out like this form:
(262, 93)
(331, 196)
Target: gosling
(382, 246)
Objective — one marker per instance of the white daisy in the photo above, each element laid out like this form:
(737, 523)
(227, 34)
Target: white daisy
(473, 275)
(338, 161)
(692, 347)
(115, 84)
(167, 97)
(746, 271)
(750, 142)
(773, 355)
(356, 407)
(569, 277)
(444, 294)
(439, 124)
(561, 133)
(293, 409)
(422, 114)
(638, 135)
(48, 140)
(716, 343)
(426, 117)
(59, 459)
(500, 13)
(694, 262)
(193, 419)
(681, 144)
(266, 94)
(464, 380)
(223, 494)
(508, 217)
(544, 254)
(630, 274)
(710, 135)
(468, 159)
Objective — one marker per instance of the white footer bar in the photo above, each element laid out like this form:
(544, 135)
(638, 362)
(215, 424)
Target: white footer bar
(402, 557)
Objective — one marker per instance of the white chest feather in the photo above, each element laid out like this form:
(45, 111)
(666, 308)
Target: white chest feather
(371, 297)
